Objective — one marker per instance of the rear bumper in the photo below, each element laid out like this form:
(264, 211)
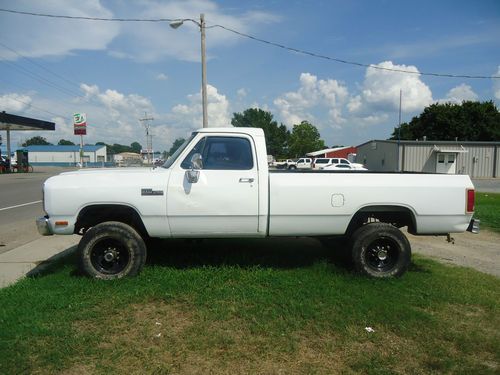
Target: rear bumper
(43, 226)
(474, 226)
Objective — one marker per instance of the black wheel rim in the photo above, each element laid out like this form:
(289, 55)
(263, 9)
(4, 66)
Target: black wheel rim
(382, 254)
(109, 256)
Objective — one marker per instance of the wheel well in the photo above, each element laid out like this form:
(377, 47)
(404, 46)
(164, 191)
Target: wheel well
(96, 214)
(395, 215)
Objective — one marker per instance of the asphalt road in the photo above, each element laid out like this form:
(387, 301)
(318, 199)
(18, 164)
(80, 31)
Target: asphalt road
(487, 185)
(20, 205)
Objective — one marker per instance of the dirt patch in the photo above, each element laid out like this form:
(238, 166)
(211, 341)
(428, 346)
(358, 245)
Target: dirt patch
(79, 369)
(479, 251)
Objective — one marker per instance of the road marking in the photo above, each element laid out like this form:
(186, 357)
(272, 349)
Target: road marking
(19, 205)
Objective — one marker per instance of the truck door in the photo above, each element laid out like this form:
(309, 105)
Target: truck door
(224, 200)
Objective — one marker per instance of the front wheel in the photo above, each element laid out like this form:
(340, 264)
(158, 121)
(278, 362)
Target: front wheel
(380, 250)
(111, 250)
(292, 167)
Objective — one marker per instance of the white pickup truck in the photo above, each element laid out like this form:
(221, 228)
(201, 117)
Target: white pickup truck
(285, 164)
(218, 185)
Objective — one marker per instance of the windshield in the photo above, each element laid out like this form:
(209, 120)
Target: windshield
(176, 154)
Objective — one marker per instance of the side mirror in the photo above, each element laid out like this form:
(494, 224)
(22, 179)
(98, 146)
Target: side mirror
(196, 161)
(193, 175)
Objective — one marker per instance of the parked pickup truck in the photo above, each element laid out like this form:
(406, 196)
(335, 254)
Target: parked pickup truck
(217, 184)
(285, 164)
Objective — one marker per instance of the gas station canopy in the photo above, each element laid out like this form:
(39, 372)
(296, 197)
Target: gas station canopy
(14, 122)
(10, 123)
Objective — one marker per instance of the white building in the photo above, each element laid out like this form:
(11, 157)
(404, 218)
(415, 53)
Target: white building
(477, 159)
(66, 155)
(127, 159)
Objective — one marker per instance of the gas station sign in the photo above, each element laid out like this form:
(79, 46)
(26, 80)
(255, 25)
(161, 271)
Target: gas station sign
(80, 123)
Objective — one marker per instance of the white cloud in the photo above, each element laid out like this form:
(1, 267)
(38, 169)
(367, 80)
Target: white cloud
(458, 94)
(380, 91)
(113, 116)
(313, 94)
(155, 41)
(89, 90)
(36, 36)
(120, 118)
(241, 93)
(370, 110)
(14, 102)
(496, 85)
(190, 115)
(161, 77)
(146, 41)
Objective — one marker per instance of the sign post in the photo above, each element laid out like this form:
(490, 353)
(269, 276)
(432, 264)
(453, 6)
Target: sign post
(80, 128)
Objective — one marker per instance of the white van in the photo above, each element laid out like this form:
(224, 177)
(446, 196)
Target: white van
(319, 163)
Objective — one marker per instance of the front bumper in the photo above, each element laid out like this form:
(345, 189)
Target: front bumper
(474, 226)
(43, 226)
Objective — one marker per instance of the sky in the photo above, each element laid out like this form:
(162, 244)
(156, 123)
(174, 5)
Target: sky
(120, 72)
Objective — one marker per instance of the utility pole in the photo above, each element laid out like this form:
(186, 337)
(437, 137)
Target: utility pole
(399, 129)
(149, 137)
(204, 101)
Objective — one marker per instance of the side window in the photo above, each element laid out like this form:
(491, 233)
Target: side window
(227, 153)
(343, 161)
(335, 161)
(223, 153)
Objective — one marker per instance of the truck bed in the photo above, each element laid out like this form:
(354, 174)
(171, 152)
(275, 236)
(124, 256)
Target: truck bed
(437, 202)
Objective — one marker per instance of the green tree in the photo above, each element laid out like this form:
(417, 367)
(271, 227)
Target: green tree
(305, 138)
(36, 141)
(469, 121)
(177, 143)
(277, 136)
(136, 147)
(64, 142)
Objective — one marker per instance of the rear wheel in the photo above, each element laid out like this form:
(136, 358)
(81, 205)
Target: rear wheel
(380, 250)
(111, 250)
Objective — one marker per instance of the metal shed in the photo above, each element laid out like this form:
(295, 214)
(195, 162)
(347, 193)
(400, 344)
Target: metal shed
(477, 159)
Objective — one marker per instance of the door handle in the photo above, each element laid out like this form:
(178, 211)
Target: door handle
(248, 180)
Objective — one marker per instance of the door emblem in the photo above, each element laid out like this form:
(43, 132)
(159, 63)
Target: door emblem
(148, 192)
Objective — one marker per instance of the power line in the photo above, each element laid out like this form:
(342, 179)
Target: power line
(303, 52)
(44, 80)
(38, 108)
(282, 46)
(92, 18)
(41, 79)
(40, 66)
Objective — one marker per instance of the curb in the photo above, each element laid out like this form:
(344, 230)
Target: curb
(34, 257)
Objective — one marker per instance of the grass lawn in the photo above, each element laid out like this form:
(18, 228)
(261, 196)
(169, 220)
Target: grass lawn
(252, 306)
(488, 210)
